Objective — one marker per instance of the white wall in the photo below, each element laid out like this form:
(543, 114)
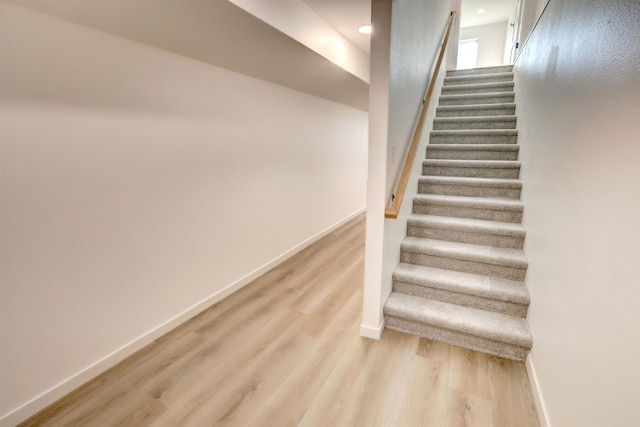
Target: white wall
(218, 33)
(578, 96)
(137, 186)
(416, 33)
(402, 59)
(491, 42)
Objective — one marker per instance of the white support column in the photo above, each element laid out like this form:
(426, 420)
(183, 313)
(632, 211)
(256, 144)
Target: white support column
(372, 316)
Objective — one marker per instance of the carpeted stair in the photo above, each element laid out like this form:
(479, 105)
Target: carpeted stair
(461, 274)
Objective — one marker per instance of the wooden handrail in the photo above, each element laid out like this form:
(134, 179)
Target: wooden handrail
(392, 211)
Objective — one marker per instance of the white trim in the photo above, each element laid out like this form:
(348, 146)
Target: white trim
(543, 416)
(65, 387)
(372, 332)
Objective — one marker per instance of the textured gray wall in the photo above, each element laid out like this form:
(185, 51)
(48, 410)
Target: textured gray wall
(578, 96)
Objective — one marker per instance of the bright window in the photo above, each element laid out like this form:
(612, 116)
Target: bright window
(467, 54)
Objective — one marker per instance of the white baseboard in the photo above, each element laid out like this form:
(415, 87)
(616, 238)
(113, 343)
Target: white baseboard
(537, 394)
(65, 387)
(372, 332)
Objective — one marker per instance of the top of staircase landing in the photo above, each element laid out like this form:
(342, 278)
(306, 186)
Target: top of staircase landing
(480, 70)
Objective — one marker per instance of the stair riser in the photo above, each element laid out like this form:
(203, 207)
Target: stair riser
(470, 89)
(507, 173)
(474, 112)
(477, 79)
(480, 71)
(466, 266)
(485, 124)
(473, 139)
(507, 351)
(514, 217)
(469, 191)
(470, 154)
(475, 238)
(473, 100)
(473, 301)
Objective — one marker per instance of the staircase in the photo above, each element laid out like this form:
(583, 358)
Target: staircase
(461, 274)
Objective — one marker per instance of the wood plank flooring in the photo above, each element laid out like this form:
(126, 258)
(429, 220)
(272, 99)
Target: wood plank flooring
(285, 351)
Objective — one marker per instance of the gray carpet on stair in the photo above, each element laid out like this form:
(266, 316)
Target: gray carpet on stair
(461, 277)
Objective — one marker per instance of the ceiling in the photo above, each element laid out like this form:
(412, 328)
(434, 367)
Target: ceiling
(494, 11)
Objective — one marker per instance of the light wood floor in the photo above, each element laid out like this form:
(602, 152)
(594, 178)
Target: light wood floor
(285, 351)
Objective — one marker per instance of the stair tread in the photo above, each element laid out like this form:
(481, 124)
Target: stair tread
(479, 182)
(486, 324)
(474, 119)
(506, 74)
(476, 107)
(490, 85)
(477, 95)
(476, 147)
(476, 202)
(479, 70)
(467, 224)
(493, 164)
(466, 283)
(466, 251)
(463, 132)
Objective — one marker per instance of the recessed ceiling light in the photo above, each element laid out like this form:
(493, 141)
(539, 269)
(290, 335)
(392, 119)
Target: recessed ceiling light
(365, 29)
(480, 10)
